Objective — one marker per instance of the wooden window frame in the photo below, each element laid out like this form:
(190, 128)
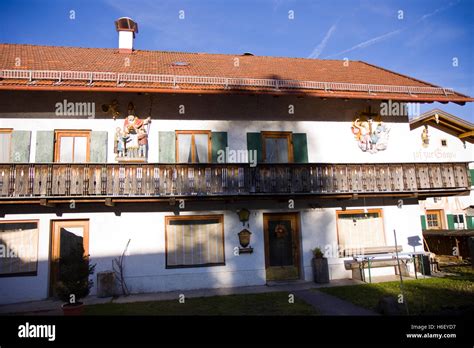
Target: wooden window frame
(360, 211)
(193, 144)
(271, 134)
(440, 214)
(24, 274)
(220, 217)
(8, 131)
(55, 244)
(59, 133)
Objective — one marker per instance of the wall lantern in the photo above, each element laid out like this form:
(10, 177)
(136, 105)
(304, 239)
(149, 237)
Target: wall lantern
(244, 240)
(244, 215)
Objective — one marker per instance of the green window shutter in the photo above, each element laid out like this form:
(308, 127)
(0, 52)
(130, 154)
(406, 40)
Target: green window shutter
(470, 222)
(300, 148)
(167, 144)
(254, 142)
(471, 171)
(423, 222)
(450, 219)
(218, 142)
(98, 147)
(44, 146)
(20, 146)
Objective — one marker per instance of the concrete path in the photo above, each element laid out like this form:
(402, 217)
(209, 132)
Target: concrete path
(325, 304)
(330, 305)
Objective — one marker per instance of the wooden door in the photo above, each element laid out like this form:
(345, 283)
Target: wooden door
(65, 234)
(282, 246)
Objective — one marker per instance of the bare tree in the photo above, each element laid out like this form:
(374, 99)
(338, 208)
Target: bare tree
(119, 267)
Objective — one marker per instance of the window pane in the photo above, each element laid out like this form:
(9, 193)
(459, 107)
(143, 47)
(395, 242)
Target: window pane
(276, 150)
(18, 247)
(184, 148)
(5, 139)
(433, 221)
(202, 147)
(357, 231)
(194, 242)
(80, 149)
(70, 239)
(65, 151)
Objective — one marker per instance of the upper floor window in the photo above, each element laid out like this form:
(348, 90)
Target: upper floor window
(5, 145)
(193, 147)
(459, 221)
(277, 147)
(433, 219)
(71, 146)
(444, 142)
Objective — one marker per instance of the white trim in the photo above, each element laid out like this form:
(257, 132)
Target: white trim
(227, 82)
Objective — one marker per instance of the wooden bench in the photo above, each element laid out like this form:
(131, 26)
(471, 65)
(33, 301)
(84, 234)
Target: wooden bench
(375, 257)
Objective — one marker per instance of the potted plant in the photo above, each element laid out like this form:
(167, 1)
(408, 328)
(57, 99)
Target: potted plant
(74, 283)
(320, 266)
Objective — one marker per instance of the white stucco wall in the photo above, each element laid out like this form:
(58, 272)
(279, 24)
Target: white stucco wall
(330, 142)
(145, 261)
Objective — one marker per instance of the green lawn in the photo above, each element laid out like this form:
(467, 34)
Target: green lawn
(275, 303)
(452, 294)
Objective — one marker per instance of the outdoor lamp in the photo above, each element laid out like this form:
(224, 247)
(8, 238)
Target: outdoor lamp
(244, 215)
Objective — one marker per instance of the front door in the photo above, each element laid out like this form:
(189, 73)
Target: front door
(66, 235)
(282, 247)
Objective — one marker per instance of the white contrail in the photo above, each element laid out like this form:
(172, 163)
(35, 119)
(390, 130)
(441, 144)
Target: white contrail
(319, 48)
(394, 32)
(369, 42)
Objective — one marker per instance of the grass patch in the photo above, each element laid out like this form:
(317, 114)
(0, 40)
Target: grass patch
(451, 295)
(275, 303)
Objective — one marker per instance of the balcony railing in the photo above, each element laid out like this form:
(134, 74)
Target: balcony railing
(58, 180)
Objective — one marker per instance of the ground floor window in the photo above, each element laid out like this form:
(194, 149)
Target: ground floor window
(194, 241)
(358, 229)
(18, 248)
(433, 219)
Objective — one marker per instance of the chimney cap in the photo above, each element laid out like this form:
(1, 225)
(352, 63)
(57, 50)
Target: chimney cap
(126, 24)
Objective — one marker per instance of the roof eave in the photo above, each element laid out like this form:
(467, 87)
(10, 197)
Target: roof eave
(322, 94)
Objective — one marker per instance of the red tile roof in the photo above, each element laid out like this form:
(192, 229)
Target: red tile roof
(60, 59)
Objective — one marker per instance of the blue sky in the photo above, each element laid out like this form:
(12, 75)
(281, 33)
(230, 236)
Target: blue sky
(424, 43)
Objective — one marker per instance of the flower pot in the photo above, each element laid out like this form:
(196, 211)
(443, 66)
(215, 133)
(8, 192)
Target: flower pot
(320, 270)
(72, 309)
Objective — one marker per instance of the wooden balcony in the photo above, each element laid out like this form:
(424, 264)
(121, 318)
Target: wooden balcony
(27, 182)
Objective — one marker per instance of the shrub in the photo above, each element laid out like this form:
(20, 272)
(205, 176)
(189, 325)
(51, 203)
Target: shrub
(74, 272)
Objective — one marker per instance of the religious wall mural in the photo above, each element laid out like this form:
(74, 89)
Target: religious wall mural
(371, 134)
(131, 140)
